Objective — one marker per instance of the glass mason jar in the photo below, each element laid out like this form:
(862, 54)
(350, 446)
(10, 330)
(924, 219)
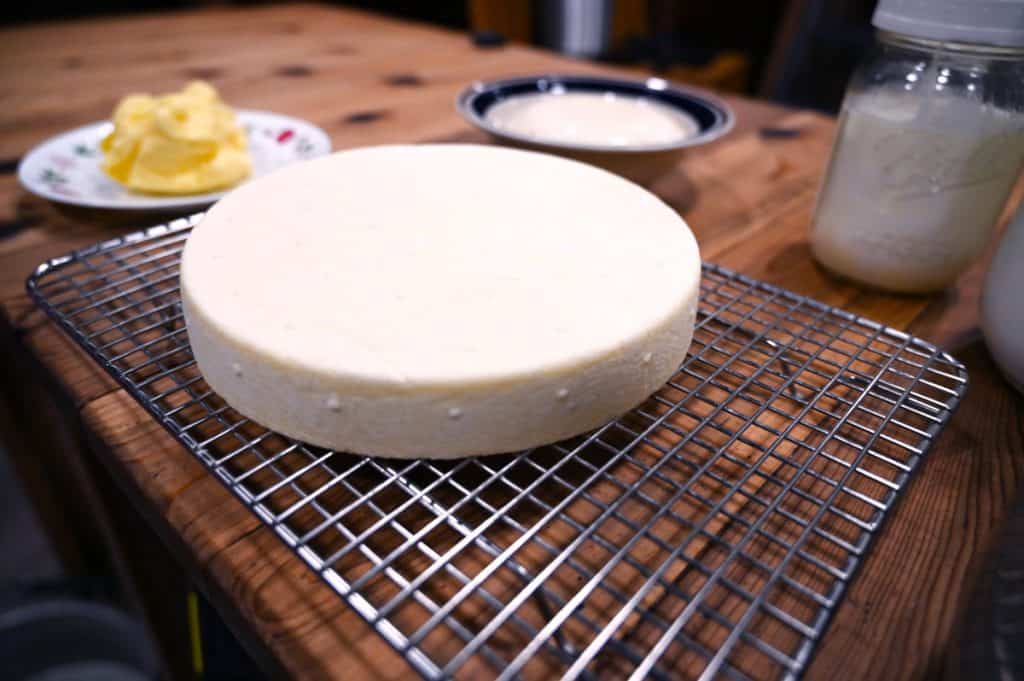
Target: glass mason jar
(929, 145)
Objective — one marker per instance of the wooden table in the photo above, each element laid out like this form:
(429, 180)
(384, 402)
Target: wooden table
(90, 452)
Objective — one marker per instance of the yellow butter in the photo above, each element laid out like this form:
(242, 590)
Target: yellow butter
(185, 142)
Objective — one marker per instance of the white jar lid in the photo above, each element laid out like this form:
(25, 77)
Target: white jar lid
(980, 22)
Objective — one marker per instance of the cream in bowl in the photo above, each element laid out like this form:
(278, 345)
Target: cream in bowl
(605, 119)
(637, 129)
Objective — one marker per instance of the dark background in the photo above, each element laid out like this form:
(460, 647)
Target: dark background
(798, 52)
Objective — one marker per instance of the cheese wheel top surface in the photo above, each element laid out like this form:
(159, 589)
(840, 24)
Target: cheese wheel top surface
(438, 265)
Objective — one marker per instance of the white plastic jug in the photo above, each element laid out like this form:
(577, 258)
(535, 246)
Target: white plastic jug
(1002, 303)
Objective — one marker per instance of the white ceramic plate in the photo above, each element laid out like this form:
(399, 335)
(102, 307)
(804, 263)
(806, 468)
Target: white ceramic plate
(66, 168)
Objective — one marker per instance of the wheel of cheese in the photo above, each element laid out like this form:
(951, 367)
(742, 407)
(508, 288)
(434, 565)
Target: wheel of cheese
(438, 301)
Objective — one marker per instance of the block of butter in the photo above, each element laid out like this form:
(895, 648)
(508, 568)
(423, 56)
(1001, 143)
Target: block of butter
(185, 142)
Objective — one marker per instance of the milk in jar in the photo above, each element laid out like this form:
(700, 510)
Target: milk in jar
(929, 145)
(915, 194)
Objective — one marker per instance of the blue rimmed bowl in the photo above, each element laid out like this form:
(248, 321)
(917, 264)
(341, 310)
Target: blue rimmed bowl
(641, 163)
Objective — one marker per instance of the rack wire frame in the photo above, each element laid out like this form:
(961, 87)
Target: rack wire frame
(709, 533)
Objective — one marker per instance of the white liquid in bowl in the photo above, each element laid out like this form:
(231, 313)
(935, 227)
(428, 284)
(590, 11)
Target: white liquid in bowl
(601, 119)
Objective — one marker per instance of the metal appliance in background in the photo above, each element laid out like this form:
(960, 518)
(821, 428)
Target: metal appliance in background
(580, 28)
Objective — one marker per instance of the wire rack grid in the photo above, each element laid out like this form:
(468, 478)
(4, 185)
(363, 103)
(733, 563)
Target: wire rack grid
(709, 533)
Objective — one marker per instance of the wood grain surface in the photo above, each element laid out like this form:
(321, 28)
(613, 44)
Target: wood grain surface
(369, 80)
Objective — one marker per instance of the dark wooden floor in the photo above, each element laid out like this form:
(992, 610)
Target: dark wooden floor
(28, 556)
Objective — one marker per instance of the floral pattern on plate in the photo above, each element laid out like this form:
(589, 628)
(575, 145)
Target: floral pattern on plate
(67, 169)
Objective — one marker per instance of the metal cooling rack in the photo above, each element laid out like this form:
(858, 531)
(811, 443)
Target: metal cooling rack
(709, 533)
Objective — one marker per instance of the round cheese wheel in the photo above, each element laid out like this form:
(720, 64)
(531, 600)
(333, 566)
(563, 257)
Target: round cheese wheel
(438, 301)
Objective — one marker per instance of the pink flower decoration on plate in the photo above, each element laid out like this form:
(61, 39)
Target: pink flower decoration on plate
(62, 162)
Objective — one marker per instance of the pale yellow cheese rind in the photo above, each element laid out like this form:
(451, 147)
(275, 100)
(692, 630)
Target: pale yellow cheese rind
(438, 300)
